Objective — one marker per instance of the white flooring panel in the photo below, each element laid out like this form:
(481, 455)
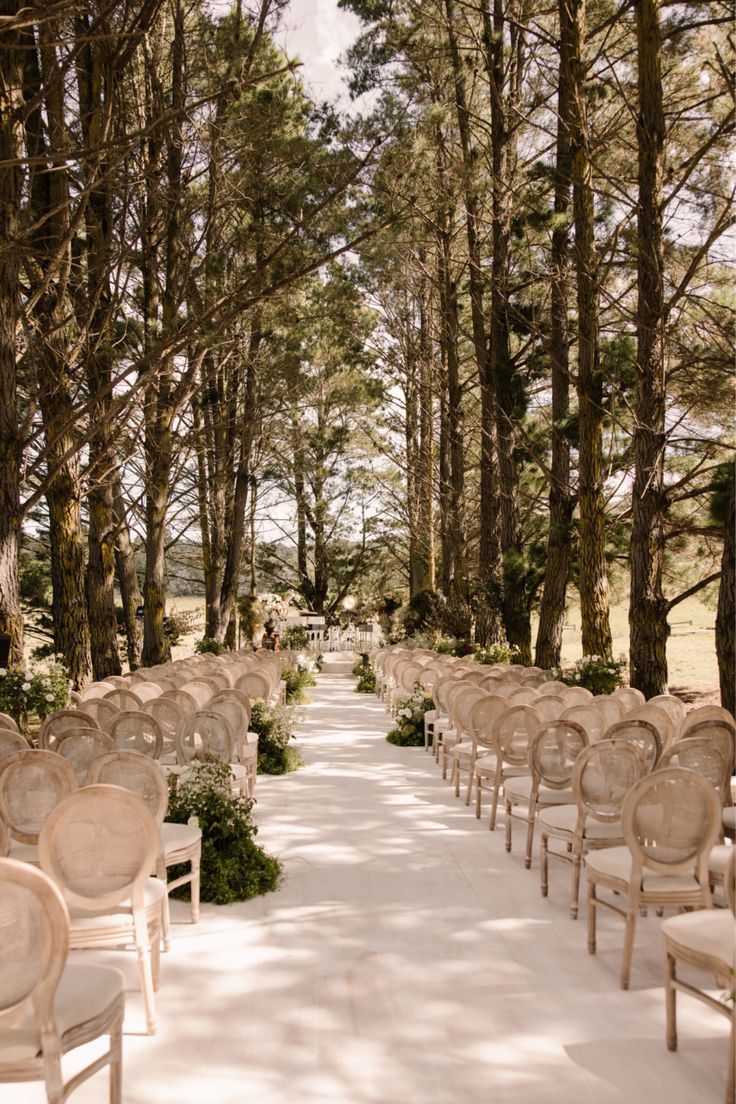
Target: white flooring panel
(406, 959)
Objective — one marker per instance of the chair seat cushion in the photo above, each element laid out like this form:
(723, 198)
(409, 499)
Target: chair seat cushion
(24, 852)
(84, 993)
(179, 837)
(84, 920)
(707, 931)
(519, 789)
(486, 765)
(615, 862)
(565, 819)
(717, 859)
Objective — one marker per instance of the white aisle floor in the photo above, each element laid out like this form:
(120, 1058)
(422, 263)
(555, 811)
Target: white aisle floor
(406, 959)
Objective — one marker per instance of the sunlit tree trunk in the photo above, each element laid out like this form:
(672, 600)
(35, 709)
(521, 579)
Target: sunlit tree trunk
(593, 575)
(647, 607)
(561, 501)
(726, 615)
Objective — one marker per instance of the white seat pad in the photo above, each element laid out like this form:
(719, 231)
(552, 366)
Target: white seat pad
(565, 819)
(615, 862)
(519, 789)
(486, 765)
(84, 993)
(707, 931)
(81, 920)
(718, 858)
(179, 837)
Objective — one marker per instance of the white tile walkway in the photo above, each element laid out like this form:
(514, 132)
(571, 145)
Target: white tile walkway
(407, 959)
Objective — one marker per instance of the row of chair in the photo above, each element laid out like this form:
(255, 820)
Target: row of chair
(639, 793)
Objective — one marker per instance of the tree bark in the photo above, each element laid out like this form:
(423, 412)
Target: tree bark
(726, 614)
(647, 607)
(561, 499)
(593, 575)
(11, 445)
(127, 575)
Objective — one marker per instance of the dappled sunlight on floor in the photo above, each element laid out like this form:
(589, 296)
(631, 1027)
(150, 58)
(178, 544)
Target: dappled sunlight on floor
(405, 959)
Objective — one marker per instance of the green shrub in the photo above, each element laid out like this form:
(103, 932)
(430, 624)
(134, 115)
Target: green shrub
(275, 733)
(295, 637)
(409, 730)
(234, 867)
(39, 690)
(297, 679)
(600, 676)
(497, 653)
(366, 681)
(209, 646)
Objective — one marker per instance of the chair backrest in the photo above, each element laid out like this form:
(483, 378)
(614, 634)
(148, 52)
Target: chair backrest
(255, 685)
(523, 695)
(135, 772)
(56, 724)
(513, 731)
(711, 758)
(729, 881)
(34, 943)
(550, 707)
(630, 696)
(8, 722)
(237, 716)
(612, 708)
(551, 689)
(642, 735)
(80, 746)
(138, 730)
(204, 733)
(553, 751)
(31, 784)
(704, 713)
(428, 678)
(408, 676)
(671, 820)
(589, 717)
(186, 701)
(675, 708)
(483, 717)
(575, 695)
(442, 690)
(124, 698)
(657, 716)
(97, 690)
(168, 714)
(603, 775)
(102, 711)
(720, 731)
(462, 706)
(144, 691)
(232, 694)
(10, 743)
(5, 838)
(100, 845)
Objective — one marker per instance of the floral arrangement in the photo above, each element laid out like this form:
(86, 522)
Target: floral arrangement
(295, 637)
(409, 730)
(275, 729)
(209, 646)
(298, 676)
(595, 673)
(497, 653)
(366, 678)
(41, 689)
(234, 868)
(275, 607)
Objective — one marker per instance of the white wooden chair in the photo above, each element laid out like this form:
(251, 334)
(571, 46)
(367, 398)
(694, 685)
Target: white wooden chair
(49, 1007)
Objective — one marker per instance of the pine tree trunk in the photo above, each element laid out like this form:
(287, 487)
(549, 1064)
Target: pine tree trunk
(561, 500)
(490, 601)
(11, 446)
(127, 575)
(593, 575)
(50, 352)
(425, 458)
(647, 607)
(726, 614)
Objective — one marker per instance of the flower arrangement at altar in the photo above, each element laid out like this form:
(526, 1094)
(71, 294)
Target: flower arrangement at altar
(409, 714)
(595, 673)
(40, 689)
(274, 608)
